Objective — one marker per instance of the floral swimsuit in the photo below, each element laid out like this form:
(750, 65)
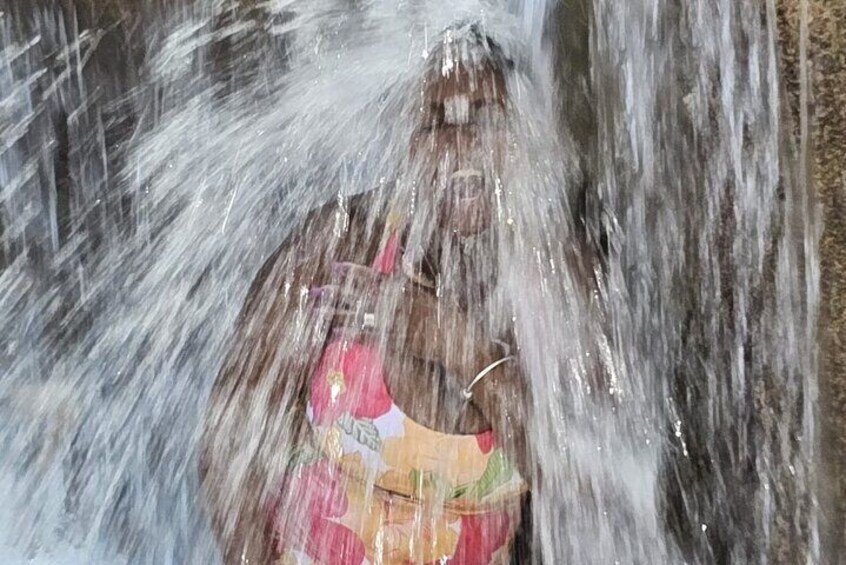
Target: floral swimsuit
(376, 487)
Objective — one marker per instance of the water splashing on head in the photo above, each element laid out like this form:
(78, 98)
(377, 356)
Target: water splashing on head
(449, 196)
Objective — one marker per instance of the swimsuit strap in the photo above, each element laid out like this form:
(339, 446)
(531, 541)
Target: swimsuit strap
(386, 260)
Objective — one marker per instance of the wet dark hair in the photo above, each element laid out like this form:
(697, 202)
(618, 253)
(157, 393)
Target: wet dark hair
(473, 45)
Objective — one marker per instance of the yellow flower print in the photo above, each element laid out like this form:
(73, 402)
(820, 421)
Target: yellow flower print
(396, 531)
(337, 384)
(330, 443)
(456, 460)
(413, 534)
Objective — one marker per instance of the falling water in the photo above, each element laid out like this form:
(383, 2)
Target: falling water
(152, 158)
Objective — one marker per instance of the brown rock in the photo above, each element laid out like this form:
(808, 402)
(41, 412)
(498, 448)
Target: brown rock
(826, 60)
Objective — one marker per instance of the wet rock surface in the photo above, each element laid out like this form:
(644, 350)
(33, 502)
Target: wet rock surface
(826, 56)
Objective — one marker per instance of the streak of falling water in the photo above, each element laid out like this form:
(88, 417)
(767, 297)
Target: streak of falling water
(135, 210)
(714, 280)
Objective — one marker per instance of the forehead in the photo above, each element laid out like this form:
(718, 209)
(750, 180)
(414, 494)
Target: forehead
(481, 83)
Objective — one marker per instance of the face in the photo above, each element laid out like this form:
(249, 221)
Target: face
(459, 143)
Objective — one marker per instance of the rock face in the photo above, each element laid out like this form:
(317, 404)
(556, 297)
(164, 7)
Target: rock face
(825, 141)
(826, 56)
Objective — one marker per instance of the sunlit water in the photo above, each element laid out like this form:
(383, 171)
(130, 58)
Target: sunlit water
(119, 292)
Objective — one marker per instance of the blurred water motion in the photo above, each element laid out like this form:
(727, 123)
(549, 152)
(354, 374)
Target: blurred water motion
(153, 154)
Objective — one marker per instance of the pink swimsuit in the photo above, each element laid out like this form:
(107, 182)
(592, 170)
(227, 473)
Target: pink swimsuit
(375, 487)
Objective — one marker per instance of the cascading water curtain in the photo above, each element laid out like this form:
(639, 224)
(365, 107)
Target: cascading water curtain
(152, 155)
(139, 200)
(713, 246)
